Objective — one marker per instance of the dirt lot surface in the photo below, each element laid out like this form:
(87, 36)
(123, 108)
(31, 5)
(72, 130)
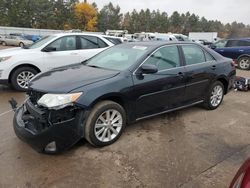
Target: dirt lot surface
(188, 148)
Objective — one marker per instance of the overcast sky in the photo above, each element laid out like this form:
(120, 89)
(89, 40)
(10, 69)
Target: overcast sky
(223, 10)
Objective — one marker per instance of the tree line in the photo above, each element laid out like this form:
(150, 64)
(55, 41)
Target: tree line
(75, 14)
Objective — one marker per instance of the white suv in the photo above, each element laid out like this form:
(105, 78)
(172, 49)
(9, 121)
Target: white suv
(19, 65)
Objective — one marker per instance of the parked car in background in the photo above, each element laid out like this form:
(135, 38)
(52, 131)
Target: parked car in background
(237, 49)
(204, 42)
(19, 65)
(165, 37)
(11, 40)
(1, 38)
(33, 38)
(242, 177)
(17, 34)
(121, 85)
(181, 37)
(208, 36)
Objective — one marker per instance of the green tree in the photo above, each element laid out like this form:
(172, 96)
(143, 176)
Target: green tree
(109, 17)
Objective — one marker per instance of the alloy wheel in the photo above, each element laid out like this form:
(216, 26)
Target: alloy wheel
(216, 96)
(244, 63)
(24, 78)
(108, 125)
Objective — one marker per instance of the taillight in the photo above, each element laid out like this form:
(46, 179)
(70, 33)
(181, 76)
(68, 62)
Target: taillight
(242, 178)
(246, 180)
(233, 63)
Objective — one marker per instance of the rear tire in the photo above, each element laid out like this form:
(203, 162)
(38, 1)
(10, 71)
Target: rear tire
(244, 63)
(215, 96)
(105, 123)
(20, 77)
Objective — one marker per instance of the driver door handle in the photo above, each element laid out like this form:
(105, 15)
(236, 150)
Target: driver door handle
(181, 74)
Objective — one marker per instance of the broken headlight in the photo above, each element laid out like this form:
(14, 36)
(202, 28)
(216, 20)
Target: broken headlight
(58, 101)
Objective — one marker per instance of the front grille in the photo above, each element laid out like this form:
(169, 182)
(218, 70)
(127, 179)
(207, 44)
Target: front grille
(35, 96)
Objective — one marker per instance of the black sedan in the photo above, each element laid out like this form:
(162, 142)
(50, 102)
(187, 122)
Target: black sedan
(95, 100)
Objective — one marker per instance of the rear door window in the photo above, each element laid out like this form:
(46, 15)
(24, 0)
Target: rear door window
(233, 43)
(91, 42)
(244, 43)
(193, 54)
(165, 58)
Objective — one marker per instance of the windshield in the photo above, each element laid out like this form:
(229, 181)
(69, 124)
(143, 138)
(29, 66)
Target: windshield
(118, 57)
(41, 42)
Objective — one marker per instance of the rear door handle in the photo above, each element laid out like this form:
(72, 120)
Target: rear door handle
(221, 50)
(74, 53)
(213, 67)
(241, 50)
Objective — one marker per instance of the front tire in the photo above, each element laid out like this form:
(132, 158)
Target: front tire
(4, 44)
(105, 123)
(215, 96)
(244, 63)
(21, 45)
(21, 77)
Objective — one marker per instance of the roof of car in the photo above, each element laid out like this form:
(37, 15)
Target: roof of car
(248, 39)
(156, 43)
(69, 34)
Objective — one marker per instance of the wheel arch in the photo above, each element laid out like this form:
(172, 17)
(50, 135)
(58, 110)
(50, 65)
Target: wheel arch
(225, 83)
(243, 55)
(22, 65)
(115, 97)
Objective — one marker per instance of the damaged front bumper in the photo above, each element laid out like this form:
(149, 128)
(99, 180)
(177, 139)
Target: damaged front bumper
(49, 131)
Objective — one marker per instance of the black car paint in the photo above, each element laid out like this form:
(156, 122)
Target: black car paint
(142, 95)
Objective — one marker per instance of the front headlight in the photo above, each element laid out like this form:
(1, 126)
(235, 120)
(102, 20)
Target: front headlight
(58, 101)
(4, 58)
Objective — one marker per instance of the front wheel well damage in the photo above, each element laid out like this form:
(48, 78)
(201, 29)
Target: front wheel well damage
(116, 99)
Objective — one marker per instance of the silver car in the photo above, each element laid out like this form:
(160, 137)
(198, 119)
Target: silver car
(15, 41)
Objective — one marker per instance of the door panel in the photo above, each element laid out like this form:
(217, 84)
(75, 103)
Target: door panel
(163, 90)
(65, 54)
(198, 72)
(198, 80)
(156, 93)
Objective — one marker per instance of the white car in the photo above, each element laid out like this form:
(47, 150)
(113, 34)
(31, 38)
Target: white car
(11, 40)
(19, 65)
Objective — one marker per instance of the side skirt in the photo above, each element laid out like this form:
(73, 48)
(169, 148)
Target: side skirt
(174, 109)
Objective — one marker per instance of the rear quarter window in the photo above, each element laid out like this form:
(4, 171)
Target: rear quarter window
(208, 56)
(113, 40)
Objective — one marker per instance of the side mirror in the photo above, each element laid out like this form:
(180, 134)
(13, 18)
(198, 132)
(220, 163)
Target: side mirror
(49, 49)
(149, 69)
